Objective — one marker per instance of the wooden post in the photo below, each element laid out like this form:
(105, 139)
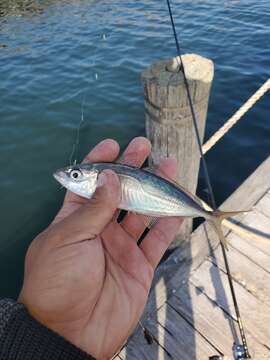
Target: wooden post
(168, 117)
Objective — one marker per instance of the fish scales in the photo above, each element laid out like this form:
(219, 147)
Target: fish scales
(142, 192)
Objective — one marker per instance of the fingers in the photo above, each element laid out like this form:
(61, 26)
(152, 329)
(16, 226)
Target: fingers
(136, 152)
(159, 239)
(122, 249)
(90, 219)
(163, 233)
(134, 224)
(168, 168)
(106, 150)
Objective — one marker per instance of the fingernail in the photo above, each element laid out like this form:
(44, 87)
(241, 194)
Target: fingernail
(103, 142)
(102, 179)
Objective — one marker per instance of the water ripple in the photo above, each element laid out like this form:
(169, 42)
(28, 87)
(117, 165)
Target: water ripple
(54, 53)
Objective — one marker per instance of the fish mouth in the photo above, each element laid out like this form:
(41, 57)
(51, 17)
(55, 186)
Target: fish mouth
(60, 176)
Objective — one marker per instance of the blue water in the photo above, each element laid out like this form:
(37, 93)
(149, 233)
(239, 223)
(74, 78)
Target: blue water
(55, 55)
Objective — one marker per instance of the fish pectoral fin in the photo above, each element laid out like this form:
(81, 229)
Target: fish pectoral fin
(120, 159)
(150, 221)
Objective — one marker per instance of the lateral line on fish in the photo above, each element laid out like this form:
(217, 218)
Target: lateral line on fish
(144, 192)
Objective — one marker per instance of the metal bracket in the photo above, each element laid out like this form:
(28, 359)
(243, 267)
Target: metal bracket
(239, 352)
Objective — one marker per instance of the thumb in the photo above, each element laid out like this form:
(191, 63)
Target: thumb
(90, 219)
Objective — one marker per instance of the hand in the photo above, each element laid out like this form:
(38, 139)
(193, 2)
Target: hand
(85, 276)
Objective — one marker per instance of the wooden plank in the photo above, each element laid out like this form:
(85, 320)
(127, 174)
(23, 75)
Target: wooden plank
(138, 348)
(263, 205)
(246, 247)
(177, 268)
(135, 352)
(212, 322)
(179, 339)
(251, 190)
(260, 223)
(185, 259)
(214, 284)
(248, 274)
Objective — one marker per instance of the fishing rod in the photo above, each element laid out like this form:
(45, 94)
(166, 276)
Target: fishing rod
(240, 351)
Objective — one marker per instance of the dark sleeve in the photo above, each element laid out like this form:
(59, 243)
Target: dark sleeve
(24, 338)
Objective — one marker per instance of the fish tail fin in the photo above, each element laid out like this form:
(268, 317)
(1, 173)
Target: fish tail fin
(216, 220)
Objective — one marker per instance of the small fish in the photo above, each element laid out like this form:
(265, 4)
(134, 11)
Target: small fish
(142, 192)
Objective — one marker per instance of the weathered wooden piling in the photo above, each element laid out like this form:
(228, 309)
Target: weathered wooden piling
(168, 117)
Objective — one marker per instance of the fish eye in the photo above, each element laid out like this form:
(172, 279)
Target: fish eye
(75, 174)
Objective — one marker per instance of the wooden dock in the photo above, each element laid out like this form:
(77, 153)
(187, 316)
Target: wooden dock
(190, 313)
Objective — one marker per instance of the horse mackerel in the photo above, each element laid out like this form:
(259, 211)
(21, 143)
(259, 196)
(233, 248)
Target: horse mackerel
(142, 192)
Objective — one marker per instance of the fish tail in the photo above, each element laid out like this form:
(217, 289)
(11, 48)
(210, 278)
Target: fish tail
(217, 218)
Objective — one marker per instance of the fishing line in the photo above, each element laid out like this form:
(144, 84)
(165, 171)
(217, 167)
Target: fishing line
(207, 178)
(75, 146)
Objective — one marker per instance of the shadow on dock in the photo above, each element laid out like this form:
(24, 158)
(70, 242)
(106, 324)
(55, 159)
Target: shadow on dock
(169, 330)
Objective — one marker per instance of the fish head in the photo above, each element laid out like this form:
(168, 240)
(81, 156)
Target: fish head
(82, 180)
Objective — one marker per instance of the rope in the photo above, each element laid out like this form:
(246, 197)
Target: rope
(237, 116)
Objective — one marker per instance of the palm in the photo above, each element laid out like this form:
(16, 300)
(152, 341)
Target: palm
(92, 289)
(121, 299)
(109, 279)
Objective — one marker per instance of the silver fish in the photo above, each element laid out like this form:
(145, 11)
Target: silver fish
(142, 192)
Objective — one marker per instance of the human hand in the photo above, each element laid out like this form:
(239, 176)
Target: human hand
(85, 276)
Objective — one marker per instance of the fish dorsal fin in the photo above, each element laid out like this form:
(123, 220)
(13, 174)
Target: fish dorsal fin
(150, 221)
(150, 169)
(119, 159)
